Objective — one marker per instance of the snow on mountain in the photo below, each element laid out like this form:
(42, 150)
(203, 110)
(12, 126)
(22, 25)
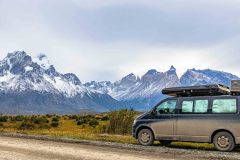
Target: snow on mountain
(42, 60)
(207, 76)
(138, 92)
(20, 74)
(24, 74)
(102, 87)
(151, 83)
(142, 93)
(32, 85)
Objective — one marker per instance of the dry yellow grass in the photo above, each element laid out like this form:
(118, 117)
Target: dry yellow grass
(69, 129)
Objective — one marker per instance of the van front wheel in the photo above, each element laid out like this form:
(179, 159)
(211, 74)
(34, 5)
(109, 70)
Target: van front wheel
(145, 137)
(223, 141)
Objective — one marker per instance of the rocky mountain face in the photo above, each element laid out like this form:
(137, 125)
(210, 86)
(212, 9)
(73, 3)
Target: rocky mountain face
(32, 85)
(206, 76)
(139, 93)
(143, 93)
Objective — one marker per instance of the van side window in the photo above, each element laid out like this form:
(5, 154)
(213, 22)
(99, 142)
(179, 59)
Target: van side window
(194, 106)
(187, 106)
(200, 106)
(167, 107)
(224, 106)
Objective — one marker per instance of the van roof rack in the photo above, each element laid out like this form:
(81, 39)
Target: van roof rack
(200, 90)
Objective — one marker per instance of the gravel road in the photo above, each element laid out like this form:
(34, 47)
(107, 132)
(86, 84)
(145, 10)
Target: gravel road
(16, 148)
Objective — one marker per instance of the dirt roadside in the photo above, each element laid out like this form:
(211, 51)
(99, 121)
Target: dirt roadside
(20, 146)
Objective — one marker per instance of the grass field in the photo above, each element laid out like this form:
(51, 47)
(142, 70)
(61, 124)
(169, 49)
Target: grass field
(94, 127)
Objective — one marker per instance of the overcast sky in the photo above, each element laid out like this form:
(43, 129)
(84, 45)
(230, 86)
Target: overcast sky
(107, 39)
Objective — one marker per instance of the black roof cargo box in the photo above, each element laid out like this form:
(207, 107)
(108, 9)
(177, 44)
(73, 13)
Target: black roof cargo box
(201, 90)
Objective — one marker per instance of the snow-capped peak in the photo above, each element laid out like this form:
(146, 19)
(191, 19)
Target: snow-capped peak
(72, 78)
(15, 63)
(19, 72)
(42, 60)
(16, 54)
(172, 68)
(130, 78)
(206, 76)
(151, 72)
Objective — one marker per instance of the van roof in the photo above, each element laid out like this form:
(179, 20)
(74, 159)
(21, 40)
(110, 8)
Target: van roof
(200, 90)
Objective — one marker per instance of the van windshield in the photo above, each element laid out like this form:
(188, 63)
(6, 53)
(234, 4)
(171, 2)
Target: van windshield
(167, 107)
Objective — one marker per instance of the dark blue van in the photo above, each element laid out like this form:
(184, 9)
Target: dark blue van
(192, 114)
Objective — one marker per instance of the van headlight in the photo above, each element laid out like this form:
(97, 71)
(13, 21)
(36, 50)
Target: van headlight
(134, 122)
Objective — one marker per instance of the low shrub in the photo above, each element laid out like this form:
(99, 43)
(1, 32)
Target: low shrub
(26, 125)
(93, 122)
(49, 115)
(121, 121)
(39, 120)
(18, 118)
(74, 117)
(65, 117)
(55, 124)
(55, 119)
(83, 119)
(80, 122)
(89, 116)
(3, 118)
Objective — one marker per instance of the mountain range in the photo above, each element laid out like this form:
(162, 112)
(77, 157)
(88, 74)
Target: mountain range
(143, 93)
(33, 86)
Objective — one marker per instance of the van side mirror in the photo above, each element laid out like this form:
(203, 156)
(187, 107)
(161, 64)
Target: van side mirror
(164, 111)
(161, 111)
(153, 112)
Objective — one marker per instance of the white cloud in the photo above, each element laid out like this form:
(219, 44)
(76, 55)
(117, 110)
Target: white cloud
(105, 40)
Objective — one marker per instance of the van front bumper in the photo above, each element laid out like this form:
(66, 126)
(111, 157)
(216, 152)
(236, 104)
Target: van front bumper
(134, 127)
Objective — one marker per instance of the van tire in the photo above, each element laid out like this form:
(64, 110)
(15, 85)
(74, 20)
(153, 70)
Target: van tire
(165, 142)
(224, 141)
(145, 137)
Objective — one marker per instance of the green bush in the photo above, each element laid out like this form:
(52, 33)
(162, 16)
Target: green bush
(55, 119)
(89, 116)
(55, 124)
(93, 122)
(25, 125)
(65, 117)
(18, 118)
(83, 119)
(49, 115)
(74, 117)
(39, 120)
(121, 121)
(3, 118)
(80, 122)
